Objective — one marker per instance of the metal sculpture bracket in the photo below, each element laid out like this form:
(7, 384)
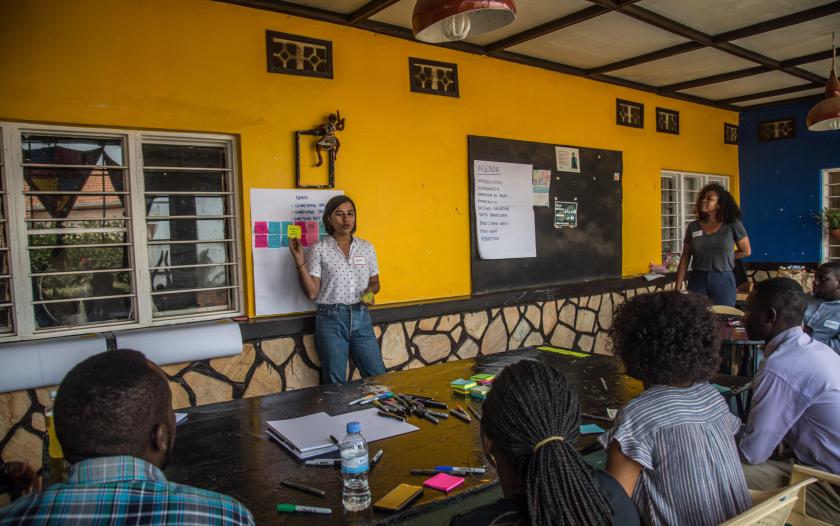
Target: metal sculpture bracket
(328, 143)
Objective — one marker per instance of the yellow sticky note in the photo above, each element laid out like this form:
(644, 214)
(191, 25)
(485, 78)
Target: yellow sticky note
(294, 232)
(564, 351)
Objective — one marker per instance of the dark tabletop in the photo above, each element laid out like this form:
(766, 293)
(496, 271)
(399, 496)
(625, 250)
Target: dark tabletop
(223, 447)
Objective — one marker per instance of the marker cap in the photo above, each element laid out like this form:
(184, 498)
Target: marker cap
(286, 508)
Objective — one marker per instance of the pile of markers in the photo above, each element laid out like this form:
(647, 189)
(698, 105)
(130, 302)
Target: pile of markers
(402, 406)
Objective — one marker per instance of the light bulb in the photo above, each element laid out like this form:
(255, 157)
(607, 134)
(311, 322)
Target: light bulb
(456, 27)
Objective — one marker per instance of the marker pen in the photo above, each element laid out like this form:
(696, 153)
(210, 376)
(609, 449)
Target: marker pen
(323, 462)
(447, 469)
(292, 508)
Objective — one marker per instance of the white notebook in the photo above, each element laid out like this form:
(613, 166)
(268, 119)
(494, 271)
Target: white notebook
(309, 436)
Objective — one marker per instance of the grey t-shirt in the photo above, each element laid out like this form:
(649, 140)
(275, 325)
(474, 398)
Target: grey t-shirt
(715, 252)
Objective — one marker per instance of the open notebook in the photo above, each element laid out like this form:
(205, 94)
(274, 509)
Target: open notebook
(309, 436)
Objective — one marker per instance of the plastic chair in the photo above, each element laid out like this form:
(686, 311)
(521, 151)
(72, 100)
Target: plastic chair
(799, 473)
(772, 510)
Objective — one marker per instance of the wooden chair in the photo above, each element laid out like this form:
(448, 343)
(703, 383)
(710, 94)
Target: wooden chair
(773, 508)
(799, 473)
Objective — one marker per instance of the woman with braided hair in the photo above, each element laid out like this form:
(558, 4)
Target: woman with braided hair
(530, 425)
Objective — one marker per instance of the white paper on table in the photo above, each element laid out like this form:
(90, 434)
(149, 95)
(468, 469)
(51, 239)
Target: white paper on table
(504, 212)
(180, 417)
(374, 427)
(276, 287)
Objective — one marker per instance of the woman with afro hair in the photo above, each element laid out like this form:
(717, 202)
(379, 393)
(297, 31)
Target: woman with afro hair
(673, 448)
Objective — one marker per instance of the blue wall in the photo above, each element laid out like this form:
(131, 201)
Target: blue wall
(781, 184)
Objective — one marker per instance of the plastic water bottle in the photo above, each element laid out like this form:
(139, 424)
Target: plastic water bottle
(354, 469)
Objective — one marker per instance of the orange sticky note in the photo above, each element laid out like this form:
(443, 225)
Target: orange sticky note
(294, 232)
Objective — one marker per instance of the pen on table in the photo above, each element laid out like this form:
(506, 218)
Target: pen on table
(474, 412)
(377, 397)
(429, 417)
(434, 403)
(323, 462)
(419, 397)
(292, 508)
(438, 414)
(604, 384)
(390, 415)
(463, 416)
(595, 417)
(460, 469)
(301, 487)
(335, 441)
(359, 400)
(376, 458)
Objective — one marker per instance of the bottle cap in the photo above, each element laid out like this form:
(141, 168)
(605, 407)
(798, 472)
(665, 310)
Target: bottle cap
(353, 427)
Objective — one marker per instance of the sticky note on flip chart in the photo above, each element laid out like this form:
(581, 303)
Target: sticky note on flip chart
(274, 228)
(260, 227)
(275, 241)
(294, 232)
(260, 241)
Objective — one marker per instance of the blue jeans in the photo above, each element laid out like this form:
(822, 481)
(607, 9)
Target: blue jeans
(719, 286)
(342, 331)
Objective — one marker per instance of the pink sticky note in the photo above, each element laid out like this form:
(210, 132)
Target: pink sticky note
(444, 482)
(261, 227)
(260, 241)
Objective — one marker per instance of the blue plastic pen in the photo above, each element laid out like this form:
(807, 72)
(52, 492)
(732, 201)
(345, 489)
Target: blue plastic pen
(459, 469)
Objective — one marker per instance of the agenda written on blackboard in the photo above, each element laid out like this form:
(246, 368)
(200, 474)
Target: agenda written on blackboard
(504, 210)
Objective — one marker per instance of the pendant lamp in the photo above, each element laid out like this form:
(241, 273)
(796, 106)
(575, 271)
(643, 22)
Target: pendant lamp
(825, 115)
(449, 20)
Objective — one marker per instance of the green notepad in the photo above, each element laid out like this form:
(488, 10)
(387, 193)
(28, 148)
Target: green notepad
(567, 352)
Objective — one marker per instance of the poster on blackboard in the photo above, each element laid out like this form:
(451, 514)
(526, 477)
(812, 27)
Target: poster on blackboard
(565, 214)
(504, 202)
(274, 215)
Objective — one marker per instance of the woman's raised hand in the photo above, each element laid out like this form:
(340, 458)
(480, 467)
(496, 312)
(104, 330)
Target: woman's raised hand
(296, 249)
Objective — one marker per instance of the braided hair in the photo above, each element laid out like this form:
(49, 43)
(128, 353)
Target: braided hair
(530, 402)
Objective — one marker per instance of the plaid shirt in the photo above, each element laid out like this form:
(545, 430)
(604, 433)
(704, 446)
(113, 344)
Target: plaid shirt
(124, 490)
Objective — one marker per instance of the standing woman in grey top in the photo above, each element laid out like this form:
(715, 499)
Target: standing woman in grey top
(708, 246)
(342, 276)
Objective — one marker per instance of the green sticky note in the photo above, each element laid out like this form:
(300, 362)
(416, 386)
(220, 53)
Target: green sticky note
(567, 352)
(591, 429)
(294, 232)
(367, 297)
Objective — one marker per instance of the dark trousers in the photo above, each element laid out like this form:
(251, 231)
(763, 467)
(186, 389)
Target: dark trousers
(719, 286)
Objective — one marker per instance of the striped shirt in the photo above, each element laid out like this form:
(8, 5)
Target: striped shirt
(124, 490)
(684, 440)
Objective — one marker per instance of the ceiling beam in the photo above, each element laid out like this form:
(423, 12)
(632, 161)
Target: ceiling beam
(647, 57)
(771, 93)
(779, 23)
(544, 29)
(714, 79)
(814, 98)
(368, 10)
(289, 8)
(806, 59)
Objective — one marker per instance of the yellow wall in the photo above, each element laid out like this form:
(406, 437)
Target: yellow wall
(200, 65)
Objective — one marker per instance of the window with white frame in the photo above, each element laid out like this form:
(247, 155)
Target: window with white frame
(679, 193)
(831, 199)
(115, 228)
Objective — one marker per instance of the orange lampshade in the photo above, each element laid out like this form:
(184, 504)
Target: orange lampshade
(826, 114)
(449, 20)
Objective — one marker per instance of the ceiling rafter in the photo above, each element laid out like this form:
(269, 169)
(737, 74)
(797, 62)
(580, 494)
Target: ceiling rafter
(714, 79)
(779, 23)
(770, 93)
(549, 27)
(368, 10)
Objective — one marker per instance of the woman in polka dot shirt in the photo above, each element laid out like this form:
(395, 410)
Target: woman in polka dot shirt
(342, 275)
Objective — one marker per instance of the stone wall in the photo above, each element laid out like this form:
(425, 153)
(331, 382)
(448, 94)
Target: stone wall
(279, 364)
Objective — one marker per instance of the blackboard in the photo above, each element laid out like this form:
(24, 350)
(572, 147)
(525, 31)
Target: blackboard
(591, 250)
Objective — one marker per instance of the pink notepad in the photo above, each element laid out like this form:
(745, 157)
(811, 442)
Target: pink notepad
(444, 482)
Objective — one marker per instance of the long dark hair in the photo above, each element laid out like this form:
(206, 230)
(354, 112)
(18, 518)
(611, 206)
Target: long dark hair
(729, 211)
(330, 207)
(529, 403)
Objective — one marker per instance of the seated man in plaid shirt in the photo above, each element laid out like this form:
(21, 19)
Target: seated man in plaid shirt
(114, 419)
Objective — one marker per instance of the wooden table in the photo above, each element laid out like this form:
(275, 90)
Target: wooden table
(223, 447)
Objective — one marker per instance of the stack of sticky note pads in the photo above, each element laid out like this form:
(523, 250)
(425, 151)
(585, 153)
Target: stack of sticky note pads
(480, 392)
(462, 386)
(483, 379)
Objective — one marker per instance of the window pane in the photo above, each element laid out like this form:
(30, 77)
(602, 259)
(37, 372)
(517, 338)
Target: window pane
(185, 206)
(74, 259)
(187, 302)
(189, 254)
(5, 291)
(188, 230)
(97, 198)
(46, 149)
(834, 177)
(81, 286)
(169, 155)
(83, 312)
(169, 181)
(189, 278)
(90, 234)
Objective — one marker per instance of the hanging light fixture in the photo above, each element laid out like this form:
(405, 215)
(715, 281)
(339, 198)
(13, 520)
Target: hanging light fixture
(825, 115)
(449, 20)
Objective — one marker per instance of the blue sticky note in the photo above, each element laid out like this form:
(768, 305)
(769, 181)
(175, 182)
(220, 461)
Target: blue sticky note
(591, 429)
(284, 227)
(274, 228)
(722, 389)
(274, 241)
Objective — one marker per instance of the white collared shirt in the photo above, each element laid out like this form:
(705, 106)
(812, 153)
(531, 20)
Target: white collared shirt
(343, 280)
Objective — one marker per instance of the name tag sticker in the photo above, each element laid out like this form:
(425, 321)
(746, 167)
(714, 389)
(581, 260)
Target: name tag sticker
(831, 324)
(697, 233)
(359, 260)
